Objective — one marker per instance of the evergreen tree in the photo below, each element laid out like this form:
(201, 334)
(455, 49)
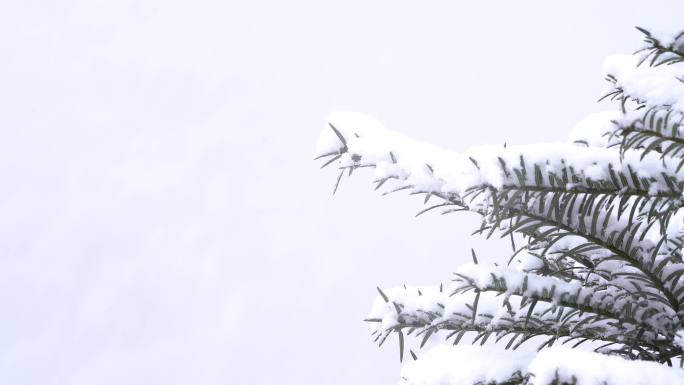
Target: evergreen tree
(601, 265)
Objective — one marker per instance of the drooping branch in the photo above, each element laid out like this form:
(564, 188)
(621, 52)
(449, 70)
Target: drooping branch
(427, 310)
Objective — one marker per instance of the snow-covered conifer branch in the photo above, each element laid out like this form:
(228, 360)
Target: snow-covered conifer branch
(655, 124)
(662, 48)
(424, 311)
(594, 199)
(659, 129)
(656, 84)
(644, 86)
(605, 300)
(641, 255)
(601, 218)
(354, 141)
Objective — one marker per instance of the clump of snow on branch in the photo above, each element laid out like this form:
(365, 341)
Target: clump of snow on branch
(595, 129)
(655, 85)
(587, 368)
(465, 365)
(679, 339)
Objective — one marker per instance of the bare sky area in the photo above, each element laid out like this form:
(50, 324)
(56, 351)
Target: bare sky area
(161, 218)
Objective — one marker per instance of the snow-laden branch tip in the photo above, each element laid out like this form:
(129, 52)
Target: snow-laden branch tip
(655, 86)
(428, 168)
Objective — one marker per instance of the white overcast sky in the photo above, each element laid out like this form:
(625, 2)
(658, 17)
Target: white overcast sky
(161, 219)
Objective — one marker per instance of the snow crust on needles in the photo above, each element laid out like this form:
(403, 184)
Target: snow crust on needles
(467, 365)
(657, 86)
(429, 168)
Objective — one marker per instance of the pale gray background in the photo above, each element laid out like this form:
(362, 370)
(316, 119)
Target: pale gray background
(161, 219)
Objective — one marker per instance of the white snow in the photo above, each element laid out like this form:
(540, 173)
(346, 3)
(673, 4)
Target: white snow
(654, 85)
(467, 365)
(594, 130)
(679, 339)
(588, 368)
